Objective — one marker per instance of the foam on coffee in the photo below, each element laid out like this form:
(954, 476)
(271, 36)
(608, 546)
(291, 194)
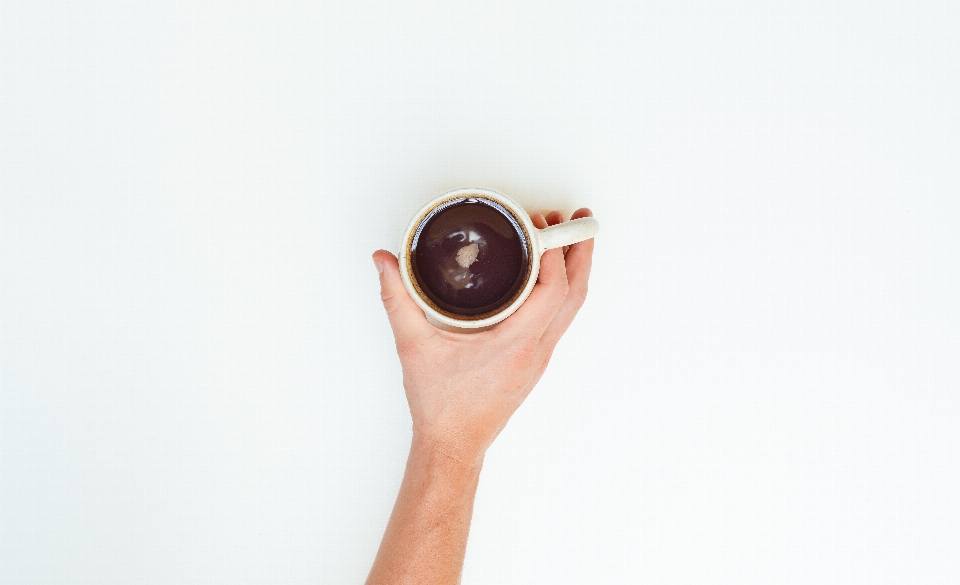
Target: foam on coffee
(470, 257)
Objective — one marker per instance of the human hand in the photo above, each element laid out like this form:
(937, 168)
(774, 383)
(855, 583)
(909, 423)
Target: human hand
(462, 388)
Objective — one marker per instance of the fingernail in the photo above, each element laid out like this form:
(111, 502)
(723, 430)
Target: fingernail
(379, 265)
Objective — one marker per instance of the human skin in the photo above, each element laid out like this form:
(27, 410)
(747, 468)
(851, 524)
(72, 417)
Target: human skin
(462, 388)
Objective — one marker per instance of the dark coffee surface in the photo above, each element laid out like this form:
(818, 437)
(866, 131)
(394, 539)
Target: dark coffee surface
(470, 257)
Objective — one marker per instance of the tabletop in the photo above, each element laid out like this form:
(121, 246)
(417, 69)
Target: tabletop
(197, 380)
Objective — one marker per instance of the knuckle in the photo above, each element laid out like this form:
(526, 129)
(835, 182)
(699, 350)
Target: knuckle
(390, 301)
(563, 289)
(523, 355)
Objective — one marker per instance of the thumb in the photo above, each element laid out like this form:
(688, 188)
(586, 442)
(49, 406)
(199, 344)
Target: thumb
(406, 318)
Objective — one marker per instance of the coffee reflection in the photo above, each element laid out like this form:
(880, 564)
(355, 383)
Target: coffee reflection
(470, 256)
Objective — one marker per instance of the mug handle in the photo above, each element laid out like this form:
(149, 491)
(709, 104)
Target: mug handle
(567, 233)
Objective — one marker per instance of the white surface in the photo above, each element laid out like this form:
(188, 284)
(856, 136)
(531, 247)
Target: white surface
(198, 384)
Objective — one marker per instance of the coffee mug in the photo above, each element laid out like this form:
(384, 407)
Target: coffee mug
(470, 257)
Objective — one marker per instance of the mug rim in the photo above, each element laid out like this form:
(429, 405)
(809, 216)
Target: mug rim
(483, 319)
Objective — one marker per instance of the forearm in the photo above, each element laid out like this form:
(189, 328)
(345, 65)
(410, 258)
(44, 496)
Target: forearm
(426, 538)
(462, 389)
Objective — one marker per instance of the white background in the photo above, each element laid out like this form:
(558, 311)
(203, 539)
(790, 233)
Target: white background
(198, 385)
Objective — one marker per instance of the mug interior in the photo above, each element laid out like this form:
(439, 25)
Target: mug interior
(470, 317)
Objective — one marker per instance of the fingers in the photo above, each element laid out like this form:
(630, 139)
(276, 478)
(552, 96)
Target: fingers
(553, 218)
(406, 318)
(536, 313)
(538, 220)
(578, 262)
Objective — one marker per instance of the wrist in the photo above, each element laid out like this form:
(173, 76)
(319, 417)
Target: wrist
(455, 450)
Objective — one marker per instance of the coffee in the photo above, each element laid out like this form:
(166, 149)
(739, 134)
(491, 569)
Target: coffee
(470, 257)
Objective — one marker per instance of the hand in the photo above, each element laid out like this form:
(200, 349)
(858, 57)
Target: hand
(462, 388)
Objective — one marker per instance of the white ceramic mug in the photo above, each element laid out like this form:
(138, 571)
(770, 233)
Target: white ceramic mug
(537, 241)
